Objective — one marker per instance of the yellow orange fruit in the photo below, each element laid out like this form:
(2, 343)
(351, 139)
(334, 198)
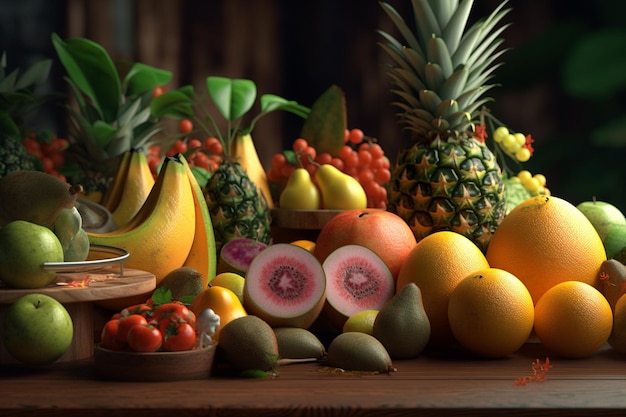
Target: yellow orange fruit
(363, 322)
(573, 319)
(546, 240)
(436, 264)
(306, 244)
(232, 281)
(386, 233)
(491, 313)
(222, 301)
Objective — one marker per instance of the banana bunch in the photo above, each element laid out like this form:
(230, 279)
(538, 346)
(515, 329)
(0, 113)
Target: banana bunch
(243, 151)
(171, 229)
(130, 188)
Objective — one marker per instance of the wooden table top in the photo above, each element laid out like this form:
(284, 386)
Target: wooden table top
(431, 385)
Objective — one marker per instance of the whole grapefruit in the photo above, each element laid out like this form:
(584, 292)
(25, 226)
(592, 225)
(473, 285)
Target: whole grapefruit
(385, 233)
(544, 241)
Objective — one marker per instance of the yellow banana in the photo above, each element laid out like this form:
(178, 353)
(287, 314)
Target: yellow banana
(139, 181)
(203, 253)
(161, 234)
(242, 150)
(113, 194)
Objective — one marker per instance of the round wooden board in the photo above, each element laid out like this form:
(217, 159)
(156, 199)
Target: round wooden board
(100, 285)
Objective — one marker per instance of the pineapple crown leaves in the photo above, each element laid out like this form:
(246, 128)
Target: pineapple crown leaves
(18, 94)
(114, 113)
(440, 69)
(234, 98)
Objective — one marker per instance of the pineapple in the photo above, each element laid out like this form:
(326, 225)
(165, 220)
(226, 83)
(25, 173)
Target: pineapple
(238, 208)
(448, 179)
(13, 156)
(19, 98)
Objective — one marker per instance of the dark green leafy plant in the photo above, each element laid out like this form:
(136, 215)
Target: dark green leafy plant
(19, 96)
(114, 112)
(234, 98)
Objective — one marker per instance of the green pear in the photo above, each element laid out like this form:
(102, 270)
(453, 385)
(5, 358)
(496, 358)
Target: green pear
(402, 325)
(339, 190)
(300, 192)
(24, 248)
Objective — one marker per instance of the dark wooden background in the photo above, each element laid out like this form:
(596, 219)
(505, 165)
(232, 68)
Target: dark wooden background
(297, 49)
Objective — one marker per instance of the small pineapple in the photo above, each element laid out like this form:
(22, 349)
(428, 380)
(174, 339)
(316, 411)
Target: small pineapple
(13, 156)
(448, 179)
(238, 208)
(19, 98)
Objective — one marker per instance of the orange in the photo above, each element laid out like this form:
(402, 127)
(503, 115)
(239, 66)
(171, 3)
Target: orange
(386, 233)
(437, 263)
(306, 244)
(573, 319)
(546, 240)
(222, 301)
(491, 313)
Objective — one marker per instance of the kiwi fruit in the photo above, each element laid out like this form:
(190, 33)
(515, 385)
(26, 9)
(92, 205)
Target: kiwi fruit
(249, 343)
(298, 343)
(183, 282)
(356, 351)
(35, 196)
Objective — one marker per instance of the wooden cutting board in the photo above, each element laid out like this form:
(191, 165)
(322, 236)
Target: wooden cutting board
(78, 292)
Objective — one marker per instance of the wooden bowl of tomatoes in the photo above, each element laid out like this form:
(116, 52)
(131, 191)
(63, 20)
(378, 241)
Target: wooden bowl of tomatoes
(154, 366)
(157, 342)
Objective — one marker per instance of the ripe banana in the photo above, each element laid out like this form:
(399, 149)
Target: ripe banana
(136, 188)
(113, 194)
(160, 235)
(203, 253)
(242, 150)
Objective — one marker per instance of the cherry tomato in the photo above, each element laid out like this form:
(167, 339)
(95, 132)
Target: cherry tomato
(173, 313)
(144, 338)
(179, 337)
(143, 309)
(125, 325)
(185, 126)
(158, 90)
(108, 336)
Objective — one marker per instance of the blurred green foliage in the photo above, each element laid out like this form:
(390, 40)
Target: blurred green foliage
(580, 61)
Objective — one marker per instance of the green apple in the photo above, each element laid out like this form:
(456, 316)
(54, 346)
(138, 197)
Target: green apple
(604, 216)
(37, 329)
(24, 248)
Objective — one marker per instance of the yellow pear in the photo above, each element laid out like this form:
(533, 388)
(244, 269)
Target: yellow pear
(339, 190)
(300, 192)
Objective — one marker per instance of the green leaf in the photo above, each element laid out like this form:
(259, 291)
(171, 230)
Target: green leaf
(232, 97)
(325, 127)
(201, 175)
(35, 75)
(162, 295)
(271, 102)
(103, 133)
(8, 126)
(92, 70)
(142, 78)
(7, 85)
(593, 68)
(173, 103)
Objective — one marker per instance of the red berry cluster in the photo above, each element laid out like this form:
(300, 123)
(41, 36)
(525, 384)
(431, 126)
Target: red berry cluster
(360, 157)
(49, 150)
(207, 154)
